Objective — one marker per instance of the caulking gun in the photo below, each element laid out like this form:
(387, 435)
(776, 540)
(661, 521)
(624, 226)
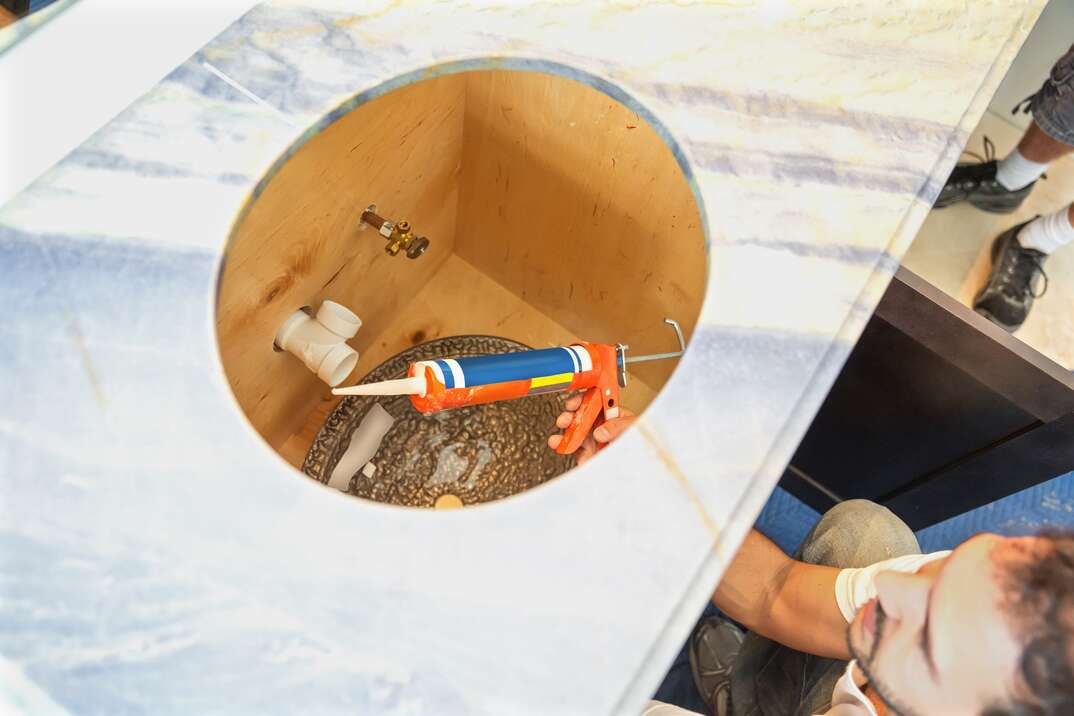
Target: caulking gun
(597, 368)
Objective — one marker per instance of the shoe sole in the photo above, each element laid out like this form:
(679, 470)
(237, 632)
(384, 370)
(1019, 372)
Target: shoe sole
(996, 321)
(946, 204)
(982, 204)
(988, 204)
(985, 205)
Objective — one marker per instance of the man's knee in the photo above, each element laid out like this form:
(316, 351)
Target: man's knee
(857, 533)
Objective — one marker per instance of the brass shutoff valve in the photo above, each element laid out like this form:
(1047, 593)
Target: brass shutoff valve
(399, 235)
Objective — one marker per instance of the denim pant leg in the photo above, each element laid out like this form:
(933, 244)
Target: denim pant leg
(772, 680)
(1053, 105)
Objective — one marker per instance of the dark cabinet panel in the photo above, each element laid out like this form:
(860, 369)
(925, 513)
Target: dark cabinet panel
(936, 411)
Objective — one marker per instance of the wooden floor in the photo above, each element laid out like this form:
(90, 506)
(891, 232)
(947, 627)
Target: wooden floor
(6, 17)
(458, 298)
(951, 250)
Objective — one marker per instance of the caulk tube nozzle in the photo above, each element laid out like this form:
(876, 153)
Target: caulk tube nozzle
(414, 385)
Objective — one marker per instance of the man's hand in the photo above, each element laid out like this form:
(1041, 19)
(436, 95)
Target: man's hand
(604, 433)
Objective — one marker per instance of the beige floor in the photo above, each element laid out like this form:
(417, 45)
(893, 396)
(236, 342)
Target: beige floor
(951, 250)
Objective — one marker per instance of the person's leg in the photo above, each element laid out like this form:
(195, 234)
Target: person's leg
(1049, 233)
(772, 680)
(1017, 276)
(1052, 133)
(1001, 186)
(1027, 162)
(1039, 147)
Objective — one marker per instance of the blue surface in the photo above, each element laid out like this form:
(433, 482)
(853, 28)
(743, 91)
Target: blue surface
(1049, 504)
(523, 365)
(36, 5)
(786, 520)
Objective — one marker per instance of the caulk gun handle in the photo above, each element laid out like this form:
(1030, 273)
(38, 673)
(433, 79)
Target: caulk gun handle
(582, 423)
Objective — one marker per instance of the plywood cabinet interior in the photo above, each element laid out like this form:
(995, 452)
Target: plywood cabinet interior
(577, 204)
(554, 213)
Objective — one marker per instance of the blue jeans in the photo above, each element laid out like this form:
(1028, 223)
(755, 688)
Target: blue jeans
(1053, 104)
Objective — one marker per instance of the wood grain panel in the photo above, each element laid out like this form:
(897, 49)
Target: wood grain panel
(299, 243)
(577, 205)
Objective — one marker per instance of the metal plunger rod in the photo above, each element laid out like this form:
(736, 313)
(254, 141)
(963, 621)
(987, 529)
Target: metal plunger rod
(662, 356)
(653, 356)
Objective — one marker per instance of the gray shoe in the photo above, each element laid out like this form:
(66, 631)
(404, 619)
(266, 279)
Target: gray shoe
(1012, 284)
(714, 647)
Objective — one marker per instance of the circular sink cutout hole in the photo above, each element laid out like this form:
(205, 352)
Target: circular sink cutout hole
(553, 213)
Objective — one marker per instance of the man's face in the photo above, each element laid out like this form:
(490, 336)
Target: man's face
(937, 642)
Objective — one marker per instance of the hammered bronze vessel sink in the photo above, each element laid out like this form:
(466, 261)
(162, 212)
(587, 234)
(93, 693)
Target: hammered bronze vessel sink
(455, 457)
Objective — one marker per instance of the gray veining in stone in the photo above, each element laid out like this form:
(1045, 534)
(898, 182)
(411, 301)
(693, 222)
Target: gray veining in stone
(157, 557)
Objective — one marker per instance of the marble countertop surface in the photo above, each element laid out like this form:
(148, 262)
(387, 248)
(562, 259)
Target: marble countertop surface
(156, 556)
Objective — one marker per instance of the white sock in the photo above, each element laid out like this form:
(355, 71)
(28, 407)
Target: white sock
(1016, 171)
(1047, 233)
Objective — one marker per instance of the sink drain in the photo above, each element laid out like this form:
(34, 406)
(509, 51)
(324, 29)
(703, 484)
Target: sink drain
(447, 502)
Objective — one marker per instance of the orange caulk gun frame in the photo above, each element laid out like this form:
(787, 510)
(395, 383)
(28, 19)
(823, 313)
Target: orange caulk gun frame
(598, 369)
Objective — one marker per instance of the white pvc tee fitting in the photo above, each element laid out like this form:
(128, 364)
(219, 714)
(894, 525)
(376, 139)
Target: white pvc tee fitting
(320, 342)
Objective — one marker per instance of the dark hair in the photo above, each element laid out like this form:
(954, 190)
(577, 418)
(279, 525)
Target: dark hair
(1039, 602)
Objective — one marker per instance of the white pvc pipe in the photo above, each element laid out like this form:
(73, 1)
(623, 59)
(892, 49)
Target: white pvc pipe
(320, 342)
(339, 319)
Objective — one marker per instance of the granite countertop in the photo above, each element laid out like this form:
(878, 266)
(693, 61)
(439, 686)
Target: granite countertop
(157, 556)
